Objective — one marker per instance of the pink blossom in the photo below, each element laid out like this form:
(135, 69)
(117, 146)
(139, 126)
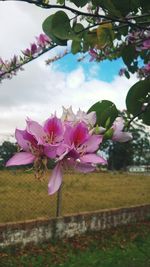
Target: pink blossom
(87, 118)
(68, 115)
(147, 67)
(146, 45)
(32, 51)
(122, 71)
(81, 116)
(49, 135)
(70, 142)
(93, 55)
(118, 134)
(78, 151)
(43, 40)
(30, 150)
(144, 71)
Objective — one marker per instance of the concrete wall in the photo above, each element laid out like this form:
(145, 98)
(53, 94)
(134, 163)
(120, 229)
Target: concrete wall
(35, 231)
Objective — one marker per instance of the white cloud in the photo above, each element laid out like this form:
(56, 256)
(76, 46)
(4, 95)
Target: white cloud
(38, 92)
(76, 78)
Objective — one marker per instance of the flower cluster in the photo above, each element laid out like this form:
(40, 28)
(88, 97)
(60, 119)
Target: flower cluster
(103, 53)
(144, 71)
(9, 68)
(71, 141)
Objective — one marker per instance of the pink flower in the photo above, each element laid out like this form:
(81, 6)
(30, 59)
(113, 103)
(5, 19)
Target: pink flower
(32, 51)
(144, 71)
(78, 151)
(31, 151)
(93, 55)
(122, 71)
(118, 134)
(88, 119)
(50, 135)
(43, 40)
(146, 45)
(68, 115)
(81, 116)
(147, 67)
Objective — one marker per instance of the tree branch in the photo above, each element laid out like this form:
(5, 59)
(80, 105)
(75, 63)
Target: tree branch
(26, 61)
(78, 12)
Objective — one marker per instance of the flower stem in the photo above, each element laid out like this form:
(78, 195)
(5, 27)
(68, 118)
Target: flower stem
(59, 202)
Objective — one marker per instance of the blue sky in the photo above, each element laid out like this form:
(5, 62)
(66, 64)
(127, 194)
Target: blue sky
(105, 70)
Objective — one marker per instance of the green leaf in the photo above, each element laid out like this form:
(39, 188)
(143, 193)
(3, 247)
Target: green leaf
(77, 32)
(47, 28)
(108, 134)
(107, 5)
(106, 112)
(105, 34)
(137, 97)
(91, 39)
(75, 47)
(79, 3)
(61, 2)
(60, 25)
(78, 28)
(107, 122)
(127, 74)
(129, 54)
(118, 8)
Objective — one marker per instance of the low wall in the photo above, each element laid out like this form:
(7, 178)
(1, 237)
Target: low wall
(35, 231)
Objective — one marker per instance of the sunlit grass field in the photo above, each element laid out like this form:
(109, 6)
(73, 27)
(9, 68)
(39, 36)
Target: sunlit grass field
(23, 197)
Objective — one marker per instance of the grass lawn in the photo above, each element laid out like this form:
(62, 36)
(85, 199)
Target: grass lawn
(23, 197)
(127, 246)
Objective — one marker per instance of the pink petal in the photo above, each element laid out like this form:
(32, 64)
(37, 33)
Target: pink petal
(55, 180)
(35, 129)
(83, 167)
(118, 124)
(122, 137)
(21, 158)
(53, 126)
(62, 151)
(19, 134)
(92, 158)
(68, 114)
(68, 135)
(79, 134)
(79, 166)
(50, 151)
(73, 154)
(92, 144)
(91, 118)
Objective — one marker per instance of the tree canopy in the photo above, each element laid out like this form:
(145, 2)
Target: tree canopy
(105, 29)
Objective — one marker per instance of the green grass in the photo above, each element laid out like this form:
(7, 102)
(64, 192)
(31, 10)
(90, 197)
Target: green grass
(23, 197)
(126, 246)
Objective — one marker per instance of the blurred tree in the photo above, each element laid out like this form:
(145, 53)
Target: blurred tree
(135, 152)
(7, 149)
